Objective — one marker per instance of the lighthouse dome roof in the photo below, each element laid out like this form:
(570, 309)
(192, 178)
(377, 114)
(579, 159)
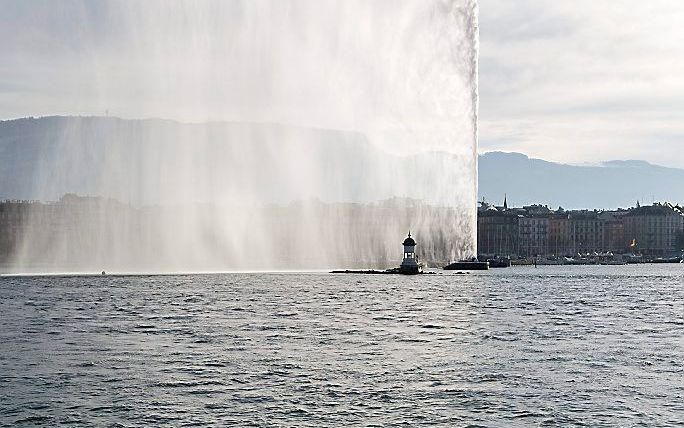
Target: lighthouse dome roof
(409, 241)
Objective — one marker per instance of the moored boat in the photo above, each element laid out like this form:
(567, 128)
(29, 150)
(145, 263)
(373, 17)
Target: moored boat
(467, 265)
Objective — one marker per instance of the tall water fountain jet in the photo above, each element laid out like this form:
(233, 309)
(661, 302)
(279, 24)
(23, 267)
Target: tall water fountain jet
(296, 135)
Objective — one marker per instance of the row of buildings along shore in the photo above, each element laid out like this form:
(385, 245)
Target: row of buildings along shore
(537, 231)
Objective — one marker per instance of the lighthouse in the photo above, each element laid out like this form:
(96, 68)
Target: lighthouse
(409, 265)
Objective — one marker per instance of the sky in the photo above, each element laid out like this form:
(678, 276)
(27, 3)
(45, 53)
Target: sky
(575, 82)
(583, 81)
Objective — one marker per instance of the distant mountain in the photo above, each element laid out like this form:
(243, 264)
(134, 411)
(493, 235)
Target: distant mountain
(612, 184)
(154, 160)
(162, 161)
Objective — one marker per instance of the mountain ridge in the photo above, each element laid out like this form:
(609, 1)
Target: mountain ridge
(165, 161)
(33, 165)
(610, 184)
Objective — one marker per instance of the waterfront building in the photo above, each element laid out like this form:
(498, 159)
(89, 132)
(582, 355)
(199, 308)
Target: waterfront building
(559, 233)
(654, 229)
(537, 209)
(586, 232)
(533, 231)
(614, 239)
(497, 231)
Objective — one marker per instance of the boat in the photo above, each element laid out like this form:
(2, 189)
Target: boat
(548, 261)
(467, 265)
(610, 259)
(578, 261)
(633, 260)
(667, 260)
(499, 262)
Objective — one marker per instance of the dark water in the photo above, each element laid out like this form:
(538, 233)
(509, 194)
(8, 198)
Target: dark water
(554, 346)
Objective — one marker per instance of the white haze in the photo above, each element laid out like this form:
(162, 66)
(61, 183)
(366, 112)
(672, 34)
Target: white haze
(392, 77)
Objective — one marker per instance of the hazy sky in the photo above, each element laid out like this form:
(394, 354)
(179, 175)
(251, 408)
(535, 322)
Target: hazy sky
(574, 81)
(583, 80)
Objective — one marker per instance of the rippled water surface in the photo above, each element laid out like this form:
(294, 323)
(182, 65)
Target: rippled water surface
(579, 346)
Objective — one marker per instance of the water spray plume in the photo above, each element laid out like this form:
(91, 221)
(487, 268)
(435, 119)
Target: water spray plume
(296, 135)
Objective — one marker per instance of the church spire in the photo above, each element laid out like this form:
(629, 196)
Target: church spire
(505, 205)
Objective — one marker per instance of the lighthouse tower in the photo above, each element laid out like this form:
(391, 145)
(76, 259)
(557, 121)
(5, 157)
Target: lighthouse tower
(409, 265)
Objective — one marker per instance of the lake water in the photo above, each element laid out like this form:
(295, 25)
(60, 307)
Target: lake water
(553, 346)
